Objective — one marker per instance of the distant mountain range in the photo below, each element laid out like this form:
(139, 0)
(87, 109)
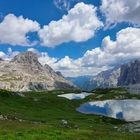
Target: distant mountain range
(126, 75)
(25, 73)
(80, 81)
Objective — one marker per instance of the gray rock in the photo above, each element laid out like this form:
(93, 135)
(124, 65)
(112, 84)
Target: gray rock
(105, 79)
(130, 73)
(126, 75)
(130, 127)
(25, 73)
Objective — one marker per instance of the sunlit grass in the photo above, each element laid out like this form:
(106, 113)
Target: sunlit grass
(39, 115)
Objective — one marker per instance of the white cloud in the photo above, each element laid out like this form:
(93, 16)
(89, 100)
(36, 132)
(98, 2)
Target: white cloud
(79, 25)
(82, 71)
(33, 50)
(69, 66)
(9, 55)
(66, 63)
(14, 30)
(124, 48)
(121, 11)
(44, 58)
(63, 4)
(2, 54)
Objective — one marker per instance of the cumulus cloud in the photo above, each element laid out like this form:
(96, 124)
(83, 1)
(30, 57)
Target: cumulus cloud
(33, 50)
(126, 47)
(67, 63)
(44, 58)
(63, 4)
(14, 30)
(69, 66)
(80, 24)
(117, 11)
(2, 54)
(9, 54)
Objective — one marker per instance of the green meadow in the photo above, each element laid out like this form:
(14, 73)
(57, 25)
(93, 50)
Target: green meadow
(44, 116)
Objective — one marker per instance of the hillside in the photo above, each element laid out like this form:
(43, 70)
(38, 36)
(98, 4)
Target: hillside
(25, 73)
(44, 115)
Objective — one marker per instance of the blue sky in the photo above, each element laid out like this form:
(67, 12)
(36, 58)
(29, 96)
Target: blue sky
(45, 11)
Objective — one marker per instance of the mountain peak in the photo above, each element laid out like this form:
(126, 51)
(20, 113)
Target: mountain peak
(25, 73)
(27, 57)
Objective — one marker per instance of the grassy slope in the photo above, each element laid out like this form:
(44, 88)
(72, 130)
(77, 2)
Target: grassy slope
(43, 114)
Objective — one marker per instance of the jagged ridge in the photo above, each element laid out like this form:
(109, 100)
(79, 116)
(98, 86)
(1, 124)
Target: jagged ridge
(25, 73)
(126, 75)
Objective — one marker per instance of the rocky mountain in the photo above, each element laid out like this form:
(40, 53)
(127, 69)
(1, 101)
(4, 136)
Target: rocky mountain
(25, 73)
(105, 79)
(130, 73)
(130, 76)
(126, 75)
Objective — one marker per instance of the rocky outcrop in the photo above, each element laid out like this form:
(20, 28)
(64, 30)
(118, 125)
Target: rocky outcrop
(130, 73)
(108, 78)
(105, 79)
(25, 73)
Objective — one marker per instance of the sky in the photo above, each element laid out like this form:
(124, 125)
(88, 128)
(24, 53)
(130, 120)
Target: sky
(75, 37)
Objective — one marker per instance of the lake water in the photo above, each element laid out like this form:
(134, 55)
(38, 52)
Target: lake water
(73, 96)
(128, 110)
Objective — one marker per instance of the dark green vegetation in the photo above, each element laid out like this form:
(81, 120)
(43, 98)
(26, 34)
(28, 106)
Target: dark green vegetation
(44, 116)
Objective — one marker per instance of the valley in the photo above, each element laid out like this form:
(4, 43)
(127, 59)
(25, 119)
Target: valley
(44, 115)
(38, 103)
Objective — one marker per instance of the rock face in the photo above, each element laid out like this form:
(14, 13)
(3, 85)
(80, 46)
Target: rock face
(105, 79)
(130, 73)
(25, 73)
